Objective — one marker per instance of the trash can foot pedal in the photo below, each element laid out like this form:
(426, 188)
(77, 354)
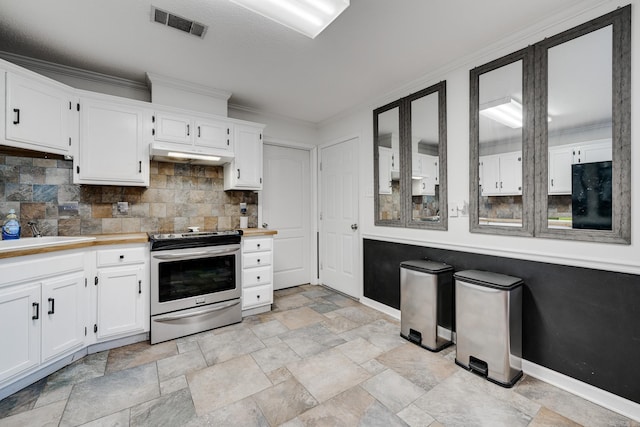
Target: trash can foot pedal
(415, 336)
(478, 366)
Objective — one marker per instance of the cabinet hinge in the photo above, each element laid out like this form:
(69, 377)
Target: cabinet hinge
(95, 328)
(153, 119)
(85, 283)
(261, 137)
(95, 281)
(85, 331)
(69, 141)
(77, 169)
(227, 131)
(78, 106)
(260, 180)
(69, 105)
(153, 132)
(320, 215)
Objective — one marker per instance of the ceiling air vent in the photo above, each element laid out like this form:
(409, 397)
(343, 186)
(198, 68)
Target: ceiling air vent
(183, 24)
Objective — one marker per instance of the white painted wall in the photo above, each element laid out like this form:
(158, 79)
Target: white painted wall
(360, 122)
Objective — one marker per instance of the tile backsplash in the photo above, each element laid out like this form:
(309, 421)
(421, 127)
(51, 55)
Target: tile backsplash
(179, 196)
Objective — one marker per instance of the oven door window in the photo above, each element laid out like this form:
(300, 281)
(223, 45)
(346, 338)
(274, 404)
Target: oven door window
(195, 277)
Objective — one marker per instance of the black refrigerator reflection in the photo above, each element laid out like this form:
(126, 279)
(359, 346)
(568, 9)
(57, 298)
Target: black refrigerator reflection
(591, 195)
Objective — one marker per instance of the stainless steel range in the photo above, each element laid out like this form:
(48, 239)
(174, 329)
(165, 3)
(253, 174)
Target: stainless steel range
(195, 282)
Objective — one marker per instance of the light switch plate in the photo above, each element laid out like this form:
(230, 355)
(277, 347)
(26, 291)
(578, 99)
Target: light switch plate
(453, 209)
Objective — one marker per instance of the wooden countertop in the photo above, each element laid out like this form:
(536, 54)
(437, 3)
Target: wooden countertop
(100, 239)
(251, 232)
(108, 239)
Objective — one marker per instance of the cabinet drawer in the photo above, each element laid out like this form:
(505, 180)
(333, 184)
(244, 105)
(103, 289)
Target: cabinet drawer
(257, 245)
(259, 295)
(126, 256)
(256, 259)
(256, 276)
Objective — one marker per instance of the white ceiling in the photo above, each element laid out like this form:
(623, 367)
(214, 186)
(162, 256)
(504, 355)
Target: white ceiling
(373, 48)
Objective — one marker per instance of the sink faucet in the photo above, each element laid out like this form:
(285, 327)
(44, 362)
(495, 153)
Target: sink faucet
(34, 229)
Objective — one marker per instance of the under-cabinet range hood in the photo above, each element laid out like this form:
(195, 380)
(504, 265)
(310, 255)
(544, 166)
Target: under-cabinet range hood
(212, 157)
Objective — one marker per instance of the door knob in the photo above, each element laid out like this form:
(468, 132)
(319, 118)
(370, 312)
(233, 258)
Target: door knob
(354, 226)
(265, 225)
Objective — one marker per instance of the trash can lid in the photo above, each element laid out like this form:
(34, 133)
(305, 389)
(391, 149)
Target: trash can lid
(488, 279)
(426, 266)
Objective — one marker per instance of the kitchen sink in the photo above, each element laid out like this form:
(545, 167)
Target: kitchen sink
(39, 242)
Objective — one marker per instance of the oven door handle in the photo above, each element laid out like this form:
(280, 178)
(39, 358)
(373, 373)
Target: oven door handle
(197, 313)
(195, 254)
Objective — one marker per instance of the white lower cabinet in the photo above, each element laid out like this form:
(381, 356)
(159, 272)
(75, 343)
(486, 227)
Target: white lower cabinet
(122, 292)
(62, 314)
(257, 274)
(19, 329)
(42, 314)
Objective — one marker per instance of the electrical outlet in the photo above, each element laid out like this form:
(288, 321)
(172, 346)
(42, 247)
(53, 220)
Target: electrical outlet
(123, 207)
(243, 208)
(453, 209)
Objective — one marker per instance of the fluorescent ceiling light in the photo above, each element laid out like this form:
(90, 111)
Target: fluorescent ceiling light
(507, 111)
(193, 156)
(309, 17)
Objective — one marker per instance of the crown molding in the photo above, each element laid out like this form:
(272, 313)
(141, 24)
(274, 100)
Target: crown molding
(153, 78)
(288, 119)
(46, 67)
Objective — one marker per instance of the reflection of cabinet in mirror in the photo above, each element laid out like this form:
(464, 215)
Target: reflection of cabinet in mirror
(563, 156)
(501, 174)
(424, 175)
(384, 167)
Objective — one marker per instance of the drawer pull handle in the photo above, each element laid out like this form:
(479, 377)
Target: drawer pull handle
(36, 307)
(52, 304)
(139, 286)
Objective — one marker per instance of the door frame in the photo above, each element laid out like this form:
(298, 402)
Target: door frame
(318, 208)
(313, 196)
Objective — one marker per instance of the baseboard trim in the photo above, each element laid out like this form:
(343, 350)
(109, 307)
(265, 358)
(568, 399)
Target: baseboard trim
(593, 394)
(381, 307)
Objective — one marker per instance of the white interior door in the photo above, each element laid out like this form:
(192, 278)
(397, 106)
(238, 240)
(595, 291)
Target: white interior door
(286, 208)
(339, 243)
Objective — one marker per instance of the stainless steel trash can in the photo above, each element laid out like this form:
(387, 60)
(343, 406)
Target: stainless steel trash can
(489, 325)
(426, 302)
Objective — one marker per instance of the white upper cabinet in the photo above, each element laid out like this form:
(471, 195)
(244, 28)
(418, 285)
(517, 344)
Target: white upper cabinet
(193, 133)
(501, 174)
(37, 114)
(112, 147)
(245, 171)
(424, 174)
(561, 158)
(384, 170)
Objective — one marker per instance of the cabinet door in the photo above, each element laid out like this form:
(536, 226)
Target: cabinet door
(37, 115)
(511, 173)
(384, 170)
(120, 301)
(20, 314)
(62, 315)
(213, 134)
(172, 128)
(560, 159)
(594, 152)
(245, 172)
(490, 167)
(111, 145)
(430, 169)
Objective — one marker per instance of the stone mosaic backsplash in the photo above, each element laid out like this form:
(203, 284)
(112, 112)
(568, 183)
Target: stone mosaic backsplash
(179, 196)
(510, 207)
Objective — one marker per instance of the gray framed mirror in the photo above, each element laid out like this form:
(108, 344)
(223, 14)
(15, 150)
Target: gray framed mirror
(387, 129)
(584, 131)
(410, 160)
(572, 108)
(501, 146)
(427, 158)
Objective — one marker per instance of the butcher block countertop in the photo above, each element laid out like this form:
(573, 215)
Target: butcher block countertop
(88, 241)
(252, 232)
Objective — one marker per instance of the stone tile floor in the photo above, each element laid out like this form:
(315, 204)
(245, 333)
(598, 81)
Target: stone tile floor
(318, 358)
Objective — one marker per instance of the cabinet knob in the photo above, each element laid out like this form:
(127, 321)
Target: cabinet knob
(258, 277)
(121, 256)
(257, 296)
(258, 245)
(258, 261)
